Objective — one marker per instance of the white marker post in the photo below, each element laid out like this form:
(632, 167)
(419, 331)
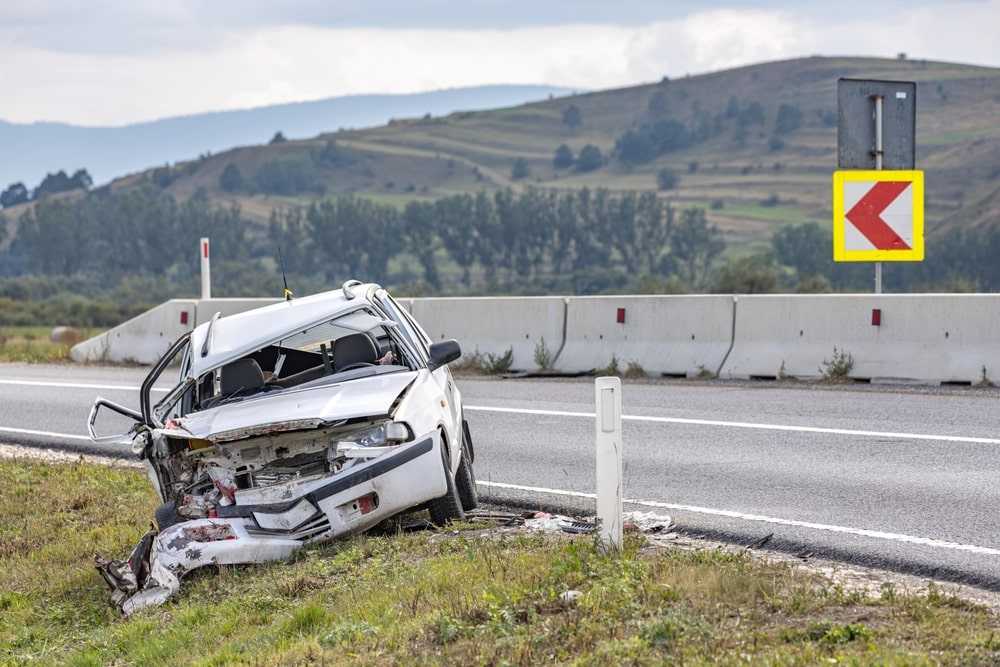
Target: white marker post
(608, 398)
(206, 270)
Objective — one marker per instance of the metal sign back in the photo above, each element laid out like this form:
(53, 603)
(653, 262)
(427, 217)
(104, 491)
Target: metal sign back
(856, 140)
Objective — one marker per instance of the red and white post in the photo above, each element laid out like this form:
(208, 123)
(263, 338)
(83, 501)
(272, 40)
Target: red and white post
(206, 269)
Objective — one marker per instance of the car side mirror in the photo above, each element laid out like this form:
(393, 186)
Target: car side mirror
(443, 353)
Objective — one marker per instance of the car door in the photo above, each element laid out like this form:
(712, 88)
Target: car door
(441, 377)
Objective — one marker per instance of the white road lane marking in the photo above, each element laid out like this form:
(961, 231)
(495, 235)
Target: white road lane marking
(75, 385)
(46, 434)
(894, 435)
(860, 532)
(748, 425)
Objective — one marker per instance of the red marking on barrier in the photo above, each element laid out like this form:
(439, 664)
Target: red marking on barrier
(876, 317)
(866, 215)
(621, 316)
(184, 317)
(204, 249)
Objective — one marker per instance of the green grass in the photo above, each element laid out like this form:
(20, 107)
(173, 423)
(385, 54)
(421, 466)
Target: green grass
(428, 598)
(32, 345)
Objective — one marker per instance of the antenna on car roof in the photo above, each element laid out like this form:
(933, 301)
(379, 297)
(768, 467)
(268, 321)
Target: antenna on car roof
(284, 279)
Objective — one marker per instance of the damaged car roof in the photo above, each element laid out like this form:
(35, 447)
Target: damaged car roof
(233, 336)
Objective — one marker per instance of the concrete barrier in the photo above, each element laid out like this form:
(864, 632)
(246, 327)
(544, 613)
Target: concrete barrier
(209, 307)
(491, 325)
(142, 339)
(921, 337)
(675, 335)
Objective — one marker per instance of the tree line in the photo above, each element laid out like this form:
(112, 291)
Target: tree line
(138, 246)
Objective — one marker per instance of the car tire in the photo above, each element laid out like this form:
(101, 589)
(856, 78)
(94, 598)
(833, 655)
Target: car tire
(166, 515)
(465, 480)
(448, 507)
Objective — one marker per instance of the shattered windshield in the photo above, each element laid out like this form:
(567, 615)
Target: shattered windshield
(355, 345)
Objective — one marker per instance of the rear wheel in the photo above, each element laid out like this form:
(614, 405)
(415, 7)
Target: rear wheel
(448, 507)
(465, 480)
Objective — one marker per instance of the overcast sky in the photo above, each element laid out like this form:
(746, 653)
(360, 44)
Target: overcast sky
(108, 62)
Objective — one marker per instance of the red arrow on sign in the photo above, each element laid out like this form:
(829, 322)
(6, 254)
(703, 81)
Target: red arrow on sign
(866, 215)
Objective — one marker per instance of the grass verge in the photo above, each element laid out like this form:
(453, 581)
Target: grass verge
(457, 597)
(32, 345)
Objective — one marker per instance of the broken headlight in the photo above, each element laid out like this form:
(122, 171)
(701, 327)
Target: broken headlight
(372, 442)
(386, 433)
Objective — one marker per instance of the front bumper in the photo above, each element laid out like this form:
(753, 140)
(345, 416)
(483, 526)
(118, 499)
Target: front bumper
(271, 523)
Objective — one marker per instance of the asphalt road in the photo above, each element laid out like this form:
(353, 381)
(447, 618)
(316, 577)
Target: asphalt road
(892, 477)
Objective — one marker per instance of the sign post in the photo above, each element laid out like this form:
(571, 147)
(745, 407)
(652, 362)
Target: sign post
(878, 196)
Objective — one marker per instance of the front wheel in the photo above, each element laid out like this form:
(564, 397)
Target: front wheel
(465, 480)
(448, 507)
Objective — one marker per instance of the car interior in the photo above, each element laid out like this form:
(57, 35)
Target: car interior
(327, 352)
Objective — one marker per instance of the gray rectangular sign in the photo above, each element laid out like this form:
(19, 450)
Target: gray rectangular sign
(856, 123)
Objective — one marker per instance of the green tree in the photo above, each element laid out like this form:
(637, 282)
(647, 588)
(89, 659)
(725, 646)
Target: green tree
(789, 119)
(755, 274)
(61, 182)
(421, 235)
(16, 193)
(658, 104)
(231, 179)
(806, 247)
(667, 179)
(695, 244)
(520, 169)
(563, 158)
(572, 117)
(278, 138)
(590, 158)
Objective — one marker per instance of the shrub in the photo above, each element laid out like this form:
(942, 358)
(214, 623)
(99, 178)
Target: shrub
(520, 169)
(572, 117)
(634, 370)
(611, 369)
(788, 120)
(590, 158)
(563, 158)
(543, 357)
(231, 179)
(838, 368)
(497, 364)
(666, 179)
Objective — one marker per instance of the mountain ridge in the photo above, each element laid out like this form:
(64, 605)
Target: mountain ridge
(112, 151)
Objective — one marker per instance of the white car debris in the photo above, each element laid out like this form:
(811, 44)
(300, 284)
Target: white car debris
(301, 421)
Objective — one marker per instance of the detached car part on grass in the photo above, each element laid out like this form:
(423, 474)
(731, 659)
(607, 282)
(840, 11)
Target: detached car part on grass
(301, 421)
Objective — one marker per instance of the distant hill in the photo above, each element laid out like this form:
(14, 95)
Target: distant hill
(720, 133)
(109, 152)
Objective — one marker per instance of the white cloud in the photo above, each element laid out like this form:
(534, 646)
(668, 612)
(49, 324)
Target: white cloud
(256, 65)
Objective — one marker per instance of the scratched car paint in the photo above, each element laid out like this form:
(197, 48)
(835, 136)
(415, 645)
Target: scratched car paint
(302, 421)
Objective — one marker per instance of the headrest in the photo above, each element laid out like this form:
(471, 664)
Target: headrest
(242, 375)
(354, 349)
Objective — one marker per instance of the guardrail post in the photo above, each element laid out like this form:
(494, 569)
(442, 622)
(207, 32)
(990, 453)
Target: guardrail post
(608, 399)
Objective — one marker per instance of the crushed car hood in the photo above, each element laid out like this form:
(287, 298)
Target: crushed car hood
(296, 409)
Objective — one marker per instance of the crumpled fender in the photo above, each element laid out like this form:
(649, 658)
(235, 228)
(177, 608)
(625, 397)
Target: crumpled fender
(153, 571)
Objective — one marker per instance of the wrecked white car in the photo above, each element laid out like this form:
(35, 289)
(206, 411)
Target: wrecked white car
(301, 421)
